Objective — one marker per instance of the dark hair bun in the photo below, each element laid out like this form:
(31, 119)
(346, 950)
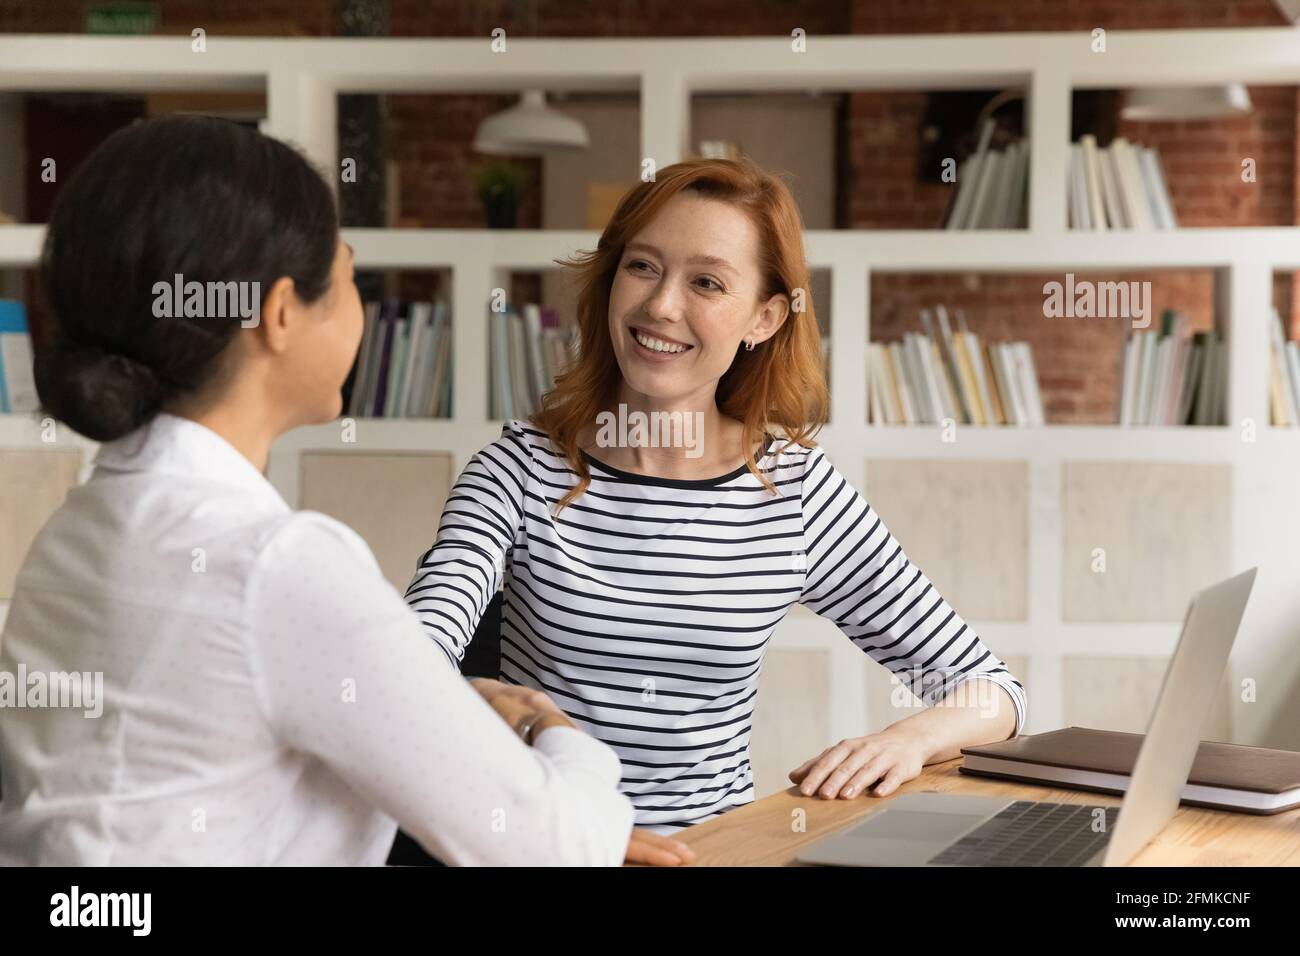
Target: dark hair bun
(103, 395)
(200, 198)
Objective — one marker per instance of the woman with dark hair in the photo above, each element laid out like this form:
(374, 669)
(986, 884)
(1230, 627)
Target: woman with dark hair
(645, 567)
(267, 697)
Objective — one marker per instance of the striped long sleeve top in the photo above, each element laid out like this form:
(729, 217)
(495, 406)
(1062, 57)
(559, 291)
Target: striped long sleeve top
(644, 608)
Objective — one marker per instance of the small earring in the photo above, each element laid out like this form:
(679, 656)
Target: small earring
(749, 345)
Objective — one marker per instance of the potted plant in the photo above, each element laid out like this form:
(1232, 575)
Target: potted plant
(500, 185)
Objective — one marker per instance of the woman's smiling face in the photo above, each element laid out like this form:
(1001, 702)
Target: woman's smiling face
(686, 293)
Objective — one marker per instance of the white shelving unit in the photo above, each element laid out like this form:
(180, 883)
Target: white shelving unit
(303, 76)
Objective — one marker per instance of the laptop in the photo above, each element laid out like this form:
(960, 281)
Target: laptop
(942, 829)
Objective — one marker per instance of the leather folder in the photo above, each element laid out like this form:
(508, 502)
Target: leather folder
(1223, 776)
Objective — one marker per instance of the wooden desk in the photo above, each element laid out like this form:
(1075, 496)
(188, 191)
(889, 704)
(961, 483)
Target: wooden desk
(763, 834)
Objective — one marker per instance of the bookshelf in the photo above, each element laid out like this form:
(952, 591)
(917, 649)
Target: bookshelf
(302, 78)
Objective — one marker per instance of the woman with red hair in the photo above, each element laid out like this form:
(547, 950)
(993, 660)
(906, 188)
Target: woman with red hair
(644, 578)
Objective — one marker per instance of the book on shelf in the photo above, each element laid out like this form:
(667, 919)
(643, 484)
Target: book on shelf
(946, 372)
(1120, 186)
(718, 149)
(1283, 375)
(527, 348)
(1171, 376)
(17, 379)
(991, 186)
(403, 367)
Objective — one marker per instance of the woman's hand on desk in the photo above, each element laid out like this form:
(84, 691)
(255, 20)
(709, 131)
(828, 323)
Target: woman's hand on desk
(650, 849)
(851, 766)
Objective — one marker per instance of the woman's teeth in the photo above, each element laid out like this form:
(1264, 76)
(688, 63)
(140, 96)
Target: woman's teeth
(657, 345)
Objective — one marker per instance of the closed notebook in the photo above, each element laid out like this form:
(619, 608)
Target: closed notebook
(1223, 776)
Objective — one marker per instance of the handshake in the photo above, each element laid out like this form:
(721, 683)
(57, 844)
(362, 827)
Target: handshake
(530, 712)
(526, 710)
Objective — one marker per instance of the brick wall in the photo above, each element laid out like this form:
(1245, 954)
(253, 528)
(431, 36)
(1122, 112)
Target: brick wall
(273, 17)
(1018, 16)
(1079, 361)
(428, 138)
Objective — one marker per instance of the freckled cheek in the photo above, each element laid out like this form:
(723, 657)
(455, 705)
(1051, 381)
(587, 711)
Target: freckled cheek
(349, 328)
(354, 337)
(714, 334)
(621, 307)
(618, 328)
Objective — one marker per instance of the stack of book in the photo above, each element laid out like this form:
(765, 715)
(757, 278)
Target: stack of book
(528, 347)
(17, 383)
(945, 373)
(991, 186)
(1171, 377)
(719, 149)
(1283, 375)
(1121, 186)
(403, 367)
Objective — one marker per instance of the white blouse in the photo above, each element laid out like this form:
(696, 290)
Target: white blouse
(267, 697)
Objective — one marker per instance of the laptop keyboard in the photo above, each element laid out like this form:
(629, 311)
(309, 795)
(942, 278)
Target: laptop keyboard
(1028, 833)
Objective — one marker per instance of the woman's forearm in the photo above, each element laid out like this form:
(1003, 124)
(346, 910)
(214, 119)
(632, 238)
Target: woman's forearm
(961, 719)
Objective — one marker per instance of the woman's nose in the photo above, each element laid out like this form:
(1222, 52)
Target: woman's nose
(664, 303)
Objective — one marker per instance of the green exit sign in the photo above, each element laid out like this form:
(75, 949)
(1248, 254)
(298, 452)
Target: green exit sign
(122, 18)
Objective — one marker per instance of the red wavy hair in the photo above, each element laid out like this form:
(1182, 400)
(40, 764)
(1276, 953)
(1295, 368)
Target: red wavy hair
(780, 386)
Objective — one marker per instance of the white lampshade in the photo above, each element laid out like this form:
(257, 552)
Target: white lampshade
(1186, 102)
(529, 128)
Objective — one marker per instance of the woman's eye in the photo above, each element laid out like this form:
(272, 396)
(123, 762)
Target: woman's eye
(638, 264)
